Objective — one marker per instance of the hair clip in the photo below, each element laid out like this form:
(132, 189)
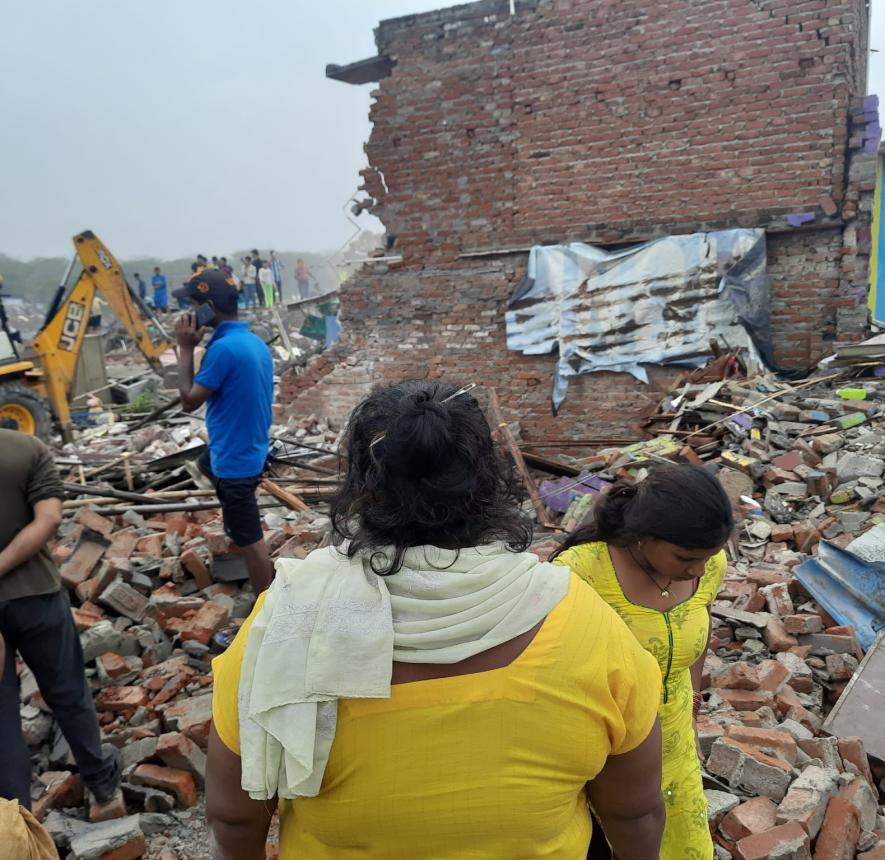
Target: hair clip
(463, 390)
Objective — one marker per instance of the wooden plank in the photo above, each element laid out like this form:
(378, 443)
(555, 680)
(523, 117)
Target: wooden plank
(516, 454)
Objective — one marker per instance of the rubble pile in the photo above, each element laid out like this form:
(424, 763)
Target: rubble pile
(154, 597)
(803, 465)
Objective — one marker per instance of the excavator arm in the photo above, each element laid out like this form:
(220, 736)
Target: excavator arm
(101, 265)
(59, 341)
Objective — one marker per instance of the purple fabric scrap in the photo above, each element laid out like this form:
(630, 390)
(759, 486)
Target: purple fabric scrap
(800, 218)
(559, 494)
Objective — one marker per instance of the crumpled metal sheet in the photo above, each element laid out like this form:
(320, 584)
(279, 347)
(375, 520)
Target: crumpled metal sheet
(656, 303)
(850, 589)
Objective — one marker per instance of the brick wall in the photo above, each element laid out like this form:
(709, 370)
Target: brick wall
(607, 123)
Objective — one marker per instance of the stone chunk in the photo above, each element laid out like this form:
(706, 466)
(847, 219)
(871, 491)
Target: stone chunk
(120, 839)
(123, 599)
(806, 801)
(853, 466)
(99, 639)
(745, 767)
(719, 804)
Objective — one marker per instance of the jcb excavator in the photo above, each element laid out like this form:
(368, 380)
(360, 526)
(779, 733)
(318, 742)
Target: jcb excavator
(35, 383)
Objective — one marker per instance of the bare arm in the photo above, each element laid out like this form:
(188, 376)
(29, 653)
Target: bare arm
(626, 796)
(238, 825)
(193, 396)
(697, 668)
(33, 537)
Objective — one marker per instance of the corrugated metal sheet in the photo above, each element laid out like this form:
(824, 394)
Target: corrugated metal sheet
(657, 303)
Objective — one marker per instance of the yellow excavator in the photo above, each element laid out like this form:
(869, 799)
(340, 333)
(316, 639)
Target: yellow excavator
(35, 383)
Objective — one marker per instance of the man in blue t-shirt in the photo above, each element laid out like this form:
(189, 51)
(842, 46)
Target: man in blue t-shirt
(235, 382)
(161, 290)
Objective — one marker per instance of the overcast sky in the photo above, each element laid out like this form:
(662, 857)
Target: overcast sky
(171, 127)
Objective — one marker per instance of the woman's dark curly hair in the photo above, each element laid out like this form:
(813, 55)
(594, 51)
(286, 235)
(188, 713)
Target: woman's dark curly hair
(683, 505)
(423, 471)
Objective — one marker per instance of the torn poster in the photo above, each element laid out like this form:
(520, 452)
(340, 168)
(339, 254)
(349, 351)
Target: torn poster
(656, 303)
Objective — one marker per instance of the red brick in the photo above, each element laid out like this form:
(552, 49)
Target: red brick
(210, 618)
(60, 789)
(121, 698)
(737, 676)
(796, 624)
(768, 741)
(776, 637)
(852, 750)
(840, 832)
(761, 846)
(171, 780)
(78, 568)
(113, 808)
(93, 521)
(123, 544)
(746, 700)
(179, 751)
(114, 665)
(193, 564)
(191, 716)
(176, 523)
(151, 546)
(756, 815)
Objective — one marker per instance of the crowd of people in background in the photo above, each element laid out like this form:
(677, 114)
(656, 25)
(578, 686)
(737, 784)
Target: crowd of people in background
(259, 281)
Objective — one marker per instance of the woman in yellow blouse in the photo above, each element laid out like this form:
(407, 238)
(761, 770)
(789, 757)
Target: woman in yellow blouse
(654, 553)
(427, 689)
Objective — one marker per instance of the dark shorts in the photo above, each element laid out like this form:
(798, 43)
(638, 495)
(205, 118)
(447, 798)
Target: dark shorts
(239, 504)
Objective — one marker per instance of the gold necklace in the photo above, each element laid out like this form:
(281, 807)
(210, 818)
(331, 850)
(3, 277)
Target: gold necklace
(665, 591)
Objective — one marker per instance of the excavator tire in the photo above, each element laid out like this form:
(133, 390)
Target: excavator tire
(21, 409)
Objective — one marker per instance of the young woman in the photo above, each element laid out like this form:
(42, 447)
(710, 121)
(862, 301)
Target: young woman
(427, 689)
(654, 553)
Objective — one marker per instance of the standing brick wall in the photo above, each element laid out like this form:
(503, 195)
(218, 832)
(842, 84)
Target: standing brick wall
(606, 123)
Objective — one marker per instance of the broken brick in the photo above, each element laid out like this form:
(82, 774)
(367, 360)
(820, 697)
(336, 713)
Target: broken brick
(178, 783)
(840, 831)
(768, 741)
(786, 842)
(756, 815)
(93, 521)
(78, 568)
(209, 619)
(121, 698)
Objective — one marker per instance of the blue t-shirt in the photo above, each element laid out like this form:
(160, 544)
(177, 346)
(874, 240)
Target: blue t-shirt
(238, 368)
(160, 285)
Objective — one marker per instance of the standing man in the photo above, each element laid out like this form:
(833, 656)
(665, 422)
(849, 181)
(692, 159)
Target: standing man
(258, 262)
(303, 276)
(36, 621)
(236, 384)
(161, 291)
(250, 282)
(276, 268)
(142, 286)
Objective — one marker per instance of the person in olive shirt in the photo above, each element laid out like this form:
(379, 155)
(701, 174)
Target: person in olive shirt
(36, 622)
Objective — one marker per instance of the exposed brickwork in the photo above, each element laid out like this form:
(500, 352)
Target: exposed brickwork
(576, 120)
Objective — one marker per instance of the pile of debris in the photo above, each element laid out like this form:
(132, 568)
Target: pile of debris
(790, 732)
(156, 589)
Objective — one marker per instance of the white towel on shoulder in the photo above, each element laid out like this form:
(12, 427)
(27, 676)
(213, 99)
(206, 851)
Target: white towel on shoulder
(330, 628)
